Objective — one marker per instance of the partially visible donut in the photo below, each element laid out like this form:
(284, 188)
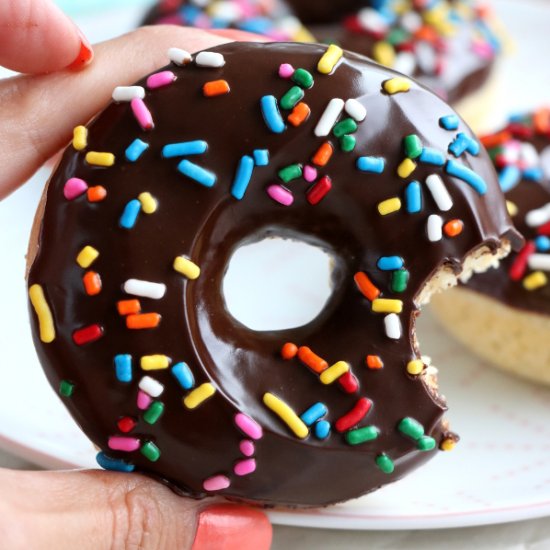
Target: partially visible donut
(152, 199)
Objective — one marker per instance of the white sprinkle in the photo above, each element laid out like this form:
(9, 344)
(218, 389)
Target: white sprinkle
(329, 117)
(405, 63)
(147, 289)
(289, 24)
(528, 155)
(439, 192)
(426, 57)
(411, 21)
(545, 161)
(371, 20)
(127, 93)
(179, 56)
(539, 262)
(229, 12)
(151, 386)
(209, 59)
(355, 110)
(392, 324)
(434, 227)
(539, 216)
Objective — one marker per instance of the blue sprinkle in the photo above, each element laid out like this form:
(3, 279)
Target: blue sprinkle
(190, 14)
(136, 149)
(123, 367)
(113, 464)
(261, 157)
(533, 174)
(183, 375)
(218, 23)
(390, 263)
(197, 147)
(130, 214)
(432, 156)
(509, 177)
(257, 25)
(242, 177)
(465, 174)
(375, 165)
(517, 118)
(463, 143)
(542, 243)
(322, 429)
(197, 173)
(449, 122)
(271, 114)
(314, 413)
(413, 197)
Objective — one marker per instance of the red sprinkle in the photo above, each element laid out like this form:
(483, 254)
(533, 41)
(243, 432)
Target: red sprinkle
(88, 334)
(348, 382)
(316, 193)
(126, 424)
(519, 265)
(544, 229)
(353, 417)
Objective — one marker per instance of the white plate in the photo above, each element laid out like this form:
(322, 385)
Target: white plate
(500, 471)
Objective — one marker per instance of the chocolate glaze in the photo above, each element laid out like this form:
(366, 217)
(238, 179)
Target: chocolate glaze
(208, 225)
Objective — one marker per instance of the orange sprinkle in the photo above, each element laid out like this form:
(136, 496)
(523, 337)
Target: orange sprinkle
(128, 307)
(92, 283)
(97, 193)
(215, 87)
(366, 286)
(311, 360)
(374, 362)
(541, 121)
(492, 140)
(323, 154)
(299, 114)
(426, 33)
(143, 320)
(453, 228)
(289, 351)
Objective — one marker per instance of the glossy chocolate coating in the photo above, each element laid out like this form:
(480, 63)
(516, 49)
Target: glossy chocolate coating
(208, 225)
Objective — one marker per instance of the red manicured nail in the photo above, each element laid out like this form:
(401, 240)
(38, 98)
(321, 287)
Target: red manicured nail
(85, 55)
(231, 527)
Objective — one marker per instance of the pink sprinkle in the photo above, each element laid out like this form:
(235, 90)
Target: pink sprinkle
(74, 188)
(247, 447)
(143, 400)
(126, 444)
(245, 467)
(310, 173)
(142, 114)
(483, 49)
(286, 70)
(216, 483)
(158, 80)
(280, 194)
(248, 426)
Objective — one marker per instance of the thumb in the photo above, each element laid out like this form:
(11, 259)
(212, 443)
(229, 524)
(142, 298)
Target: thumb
(99, 510)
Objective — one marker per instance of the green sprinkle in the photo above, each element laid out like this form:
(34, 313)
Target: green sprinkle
(411, 427)
(399, 280)
(385, 463)
(66, 388)
(413, 146)
(303, 78)
(346, 126)
(150, 451)
(397, 36)
(154, 412)
(290, 172)
(362, 435)
(426, 443)
(347, 143)
(293, 96)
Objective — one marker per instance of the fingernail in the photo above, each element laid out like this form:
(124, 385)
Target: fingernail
(85, 55)
(231, 527)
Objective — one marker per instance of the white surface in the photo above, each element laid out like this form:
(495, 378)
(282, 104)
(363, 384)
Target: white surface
(499, 472)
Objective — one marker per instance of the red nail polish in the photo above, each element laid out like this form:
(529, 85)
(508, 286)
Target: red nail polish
(231, 527)
(85, 55)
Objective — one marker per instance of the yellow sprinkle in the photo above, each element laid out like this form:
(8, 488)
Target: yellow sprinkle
(415, 367)
(330, 58)
(199, 395)
(406, 168)
(303, 35)
(148, 202)
(389, 206)
(154, 362)
(286, 414)
(396, 85)
(43, 312)
(187, 268)
(384, 53)
(535, 280)
(334, 372)
(512, 208)
(385, 305)
(80, 138)
(100, 159)
(87, 256)
(447, 444)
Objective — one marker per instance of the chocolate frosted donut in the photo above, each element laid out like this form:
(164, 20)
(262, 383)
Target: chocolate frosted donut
(148, 205)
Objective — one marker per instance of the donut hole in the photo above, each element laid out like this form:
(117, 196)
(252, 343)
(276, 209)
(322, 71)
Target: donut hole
(277, 284)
